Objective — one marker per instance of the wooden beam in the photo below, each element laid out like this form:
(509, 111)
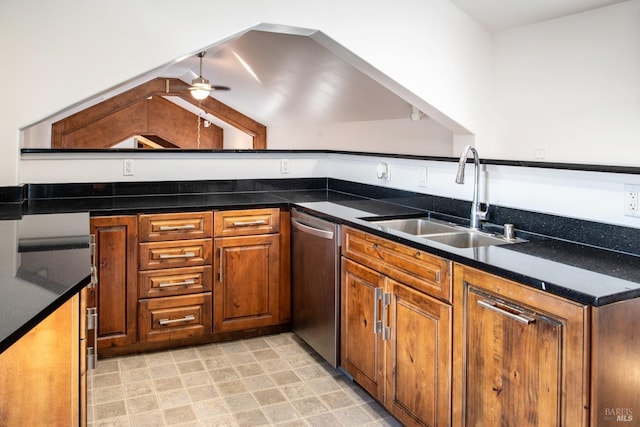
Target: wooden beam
(222, 111)
(92, 118)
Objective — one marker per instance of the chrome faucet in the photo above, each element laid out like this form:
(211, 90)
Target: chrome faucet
(476, 213)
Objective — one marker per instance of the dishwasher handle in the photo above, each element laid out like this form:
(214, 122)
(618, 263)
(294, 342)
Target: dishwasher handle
(311, 230)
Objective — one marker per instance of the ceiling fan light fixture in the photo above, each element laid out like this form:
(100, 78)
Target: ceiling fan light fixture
(199, 94)
(199, 89)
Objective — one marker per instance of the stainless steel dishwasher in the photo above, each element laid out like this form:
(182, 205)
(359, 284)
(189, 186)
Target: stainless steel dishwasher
(315, 283)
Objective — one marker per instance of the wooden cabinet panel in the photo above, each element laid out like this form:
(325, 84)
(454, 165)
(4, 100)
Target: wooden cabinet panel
(362, 350)
(174, 281)
(247, 282)
(175, 226)
(172, 254)
(41, 382)
(418, 357)
(246, 222)
(404, 361)
(285, 292)
(519, 354)
(115, 295)
(172, 318)
(423, 271)
(505, 382)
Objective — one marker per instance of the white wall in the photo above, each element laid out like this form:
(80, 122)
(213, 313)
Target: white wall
(158, 166)
(401, 136)
(551, 93)
(572, 86)
(577, 194)
(61, 52)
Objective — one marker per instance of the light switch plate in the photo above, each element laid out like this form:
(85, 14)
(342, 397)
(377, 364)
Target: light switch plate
(127, 167)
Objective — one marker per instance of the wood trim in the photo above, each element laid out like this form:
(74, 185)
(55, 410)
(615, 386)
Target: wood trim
(615, 395)
(155, 87)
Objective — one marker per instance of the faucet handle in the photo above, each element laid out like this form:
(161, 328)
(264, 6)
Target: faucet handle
(483, 214)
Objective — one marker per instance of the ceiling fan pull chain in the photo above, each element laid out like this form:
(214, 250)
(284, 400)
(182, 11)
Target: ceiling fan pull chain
(199, 113)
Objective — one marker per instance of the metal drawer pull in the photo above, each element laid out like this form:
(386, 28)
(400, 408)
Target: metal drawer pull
(325, 234)
(522, 318)
(183, 283)
(386, 305)
(220, 269)
(249, 223)
(177, 227)
(187, 318)
(184, 255)
(377, 301)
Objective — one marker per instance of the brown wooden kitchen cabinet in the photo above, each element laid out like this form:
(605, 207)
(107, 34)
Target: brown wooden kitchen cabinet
(115, 295)
(520, 355)
(362, 346)
(174, 279)
(43, 375)
(248, 269)
(395, 337)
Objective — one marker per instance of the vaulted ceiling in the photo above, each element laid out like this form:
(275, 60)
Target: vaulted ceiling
(282, 76)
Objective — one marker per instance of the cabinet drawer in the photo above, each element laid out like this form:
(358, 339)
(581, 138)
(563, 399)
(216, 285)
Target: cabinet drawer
(174, 281)
(425, 272)
(246, 222)
(174, 226)
(170, 318)
(181, 253)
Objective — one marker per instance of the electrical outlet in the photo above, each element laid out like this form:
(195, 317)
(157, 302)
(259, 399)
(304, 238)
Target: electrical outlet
(631, 203)
(383, 171)
(127, 167)
(539, 153)
(284, 166)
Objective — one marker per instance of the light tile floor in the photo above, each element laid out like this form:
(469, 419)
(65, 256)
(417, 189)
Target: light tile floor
(272, 380)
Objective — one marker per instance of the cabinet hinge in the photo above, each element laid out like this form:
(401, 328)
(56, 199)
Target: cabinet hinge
(94, 270)
(92, 325)
(92, 358)
(92, 317)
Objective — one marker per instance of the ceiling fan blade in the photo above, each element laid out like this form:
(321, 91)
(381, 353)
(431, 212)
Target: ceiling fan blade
(211, 88)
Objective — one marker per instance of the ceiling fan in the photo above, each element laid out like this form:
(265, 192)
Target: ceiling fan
(201, 87)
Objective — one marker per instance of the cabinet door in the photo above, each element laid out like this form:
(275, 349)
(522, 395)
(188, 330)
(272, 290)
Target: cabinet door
(418, 357)
(362, 348)
(41, 382)
(247, 282)
(115, 295)
(522, 354)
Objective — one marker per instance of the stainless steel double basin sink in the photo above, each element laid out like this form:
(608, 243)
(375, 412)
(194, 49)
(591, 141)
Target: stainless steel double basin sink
(443, 232)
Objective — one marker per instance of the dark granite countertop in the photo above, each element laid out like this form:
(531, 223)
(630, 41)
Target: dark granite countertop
(42, 281)
(581, 273)
(45, 261)
(578, 272)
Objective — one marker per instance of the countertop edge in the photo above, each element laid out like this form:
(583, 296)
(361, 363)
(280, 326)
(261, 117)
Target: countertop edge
(43, 314)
